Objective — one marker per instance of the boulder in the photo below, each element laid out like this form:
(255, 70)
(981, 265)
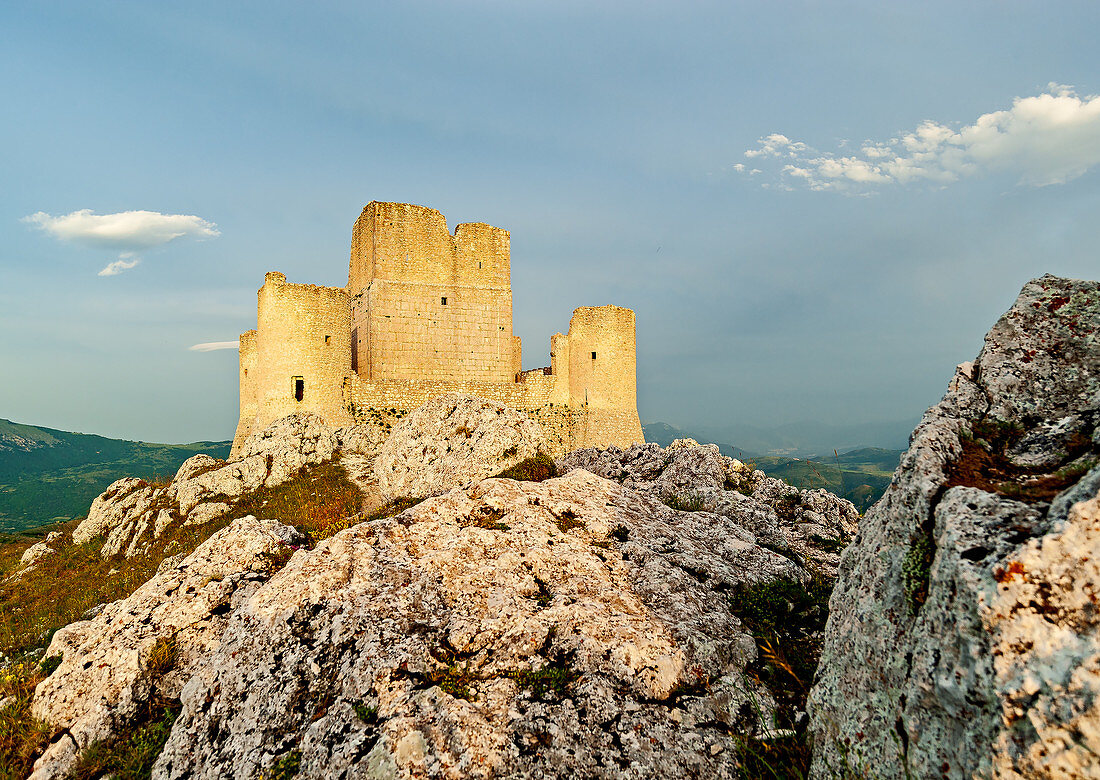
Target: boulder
(962, 637)
(811, 524)
(112, 665)
(509, 629)
(451, 441)
(39, 550)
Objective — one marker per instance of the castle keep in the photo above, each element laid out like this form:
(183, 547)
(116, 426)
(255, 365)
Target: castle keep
(427, 313)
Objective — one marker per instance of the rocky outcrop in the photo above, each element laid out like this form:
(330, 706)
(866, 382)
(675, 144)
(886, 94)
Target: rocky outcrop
(813, 525)
(962, 639)
(132, 513)
(150, 643)
(509, 629)
(452, 441)
(40, 550)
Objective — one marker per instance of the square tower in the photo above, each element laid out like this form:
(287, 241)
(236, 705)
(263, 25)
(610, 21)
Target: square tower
(426, 304)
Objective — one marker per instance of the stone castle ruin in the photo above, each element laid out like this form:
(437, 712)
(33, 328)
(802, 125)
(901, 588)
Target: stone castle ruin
(427, 313)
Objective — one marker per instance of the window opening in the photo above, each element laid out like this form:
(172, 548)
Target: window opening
(327, 338)
(443, 301)
(299, 385)
(593, 355)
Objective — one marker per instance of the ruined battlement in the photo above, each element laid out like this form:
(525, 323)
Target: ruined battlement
(427, 312)
(403, 243)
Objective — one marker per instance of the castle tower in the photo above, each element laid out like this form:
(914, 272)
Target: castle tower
(426, 304)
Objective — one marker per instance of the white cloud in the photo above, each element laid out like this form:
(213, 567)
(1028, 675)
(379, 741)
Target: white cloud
(210, 346)
(1046, 139)
(126, 261)
(126, 230)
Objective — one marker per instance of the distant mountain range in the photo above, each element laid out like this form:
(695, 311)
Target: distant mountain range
(808, 439)
(860, 474)
(47, 475)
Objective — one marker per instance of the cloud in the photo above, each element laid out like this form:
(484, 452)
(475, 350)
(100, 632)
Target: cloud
(1050, 138)
(126, 230)
(210, 346)
(126, 261)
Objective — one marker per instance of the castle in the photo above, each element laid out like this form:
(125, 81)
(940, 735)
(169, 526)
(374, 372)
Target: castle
(427, 313)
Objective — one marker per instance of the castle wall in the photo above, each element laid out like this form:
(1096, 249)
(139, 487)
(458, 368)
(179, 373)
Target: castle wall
(247, 352)
(436, 331)
(602, 374)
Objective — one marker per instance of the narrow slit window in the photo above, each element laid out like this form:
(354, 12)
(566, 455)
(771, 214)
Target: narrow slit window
(443, 301)
(327, 338)
(593, 355)
(299, 385)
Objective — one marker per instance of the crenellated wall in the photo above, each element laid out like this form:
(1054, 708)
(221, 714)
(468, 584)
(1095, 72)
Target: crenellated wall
(427, 313)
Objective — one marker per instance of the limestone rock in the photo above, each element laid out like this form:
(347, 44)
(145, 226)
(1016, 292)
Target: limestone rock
(566, 628)
(106, 672)
(962, 639)
(812, 524)
(451, 441)
(131, 513)
(291, 443)
(39, 550)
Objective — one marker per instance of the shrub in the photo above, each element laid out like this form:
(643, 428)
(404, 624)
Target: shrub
(535, 469)
(686, 503)
(567, 521)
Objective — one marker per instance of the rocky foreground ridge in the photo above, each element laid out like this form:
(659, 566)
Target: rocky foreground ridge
(470, 608)
(603, 622)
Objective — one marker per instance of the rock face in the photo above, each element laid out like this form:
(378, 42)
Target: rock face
(112, 664)
(132, 512)
(963, 632)
(452, 441)
(509, 629)
(812, 524)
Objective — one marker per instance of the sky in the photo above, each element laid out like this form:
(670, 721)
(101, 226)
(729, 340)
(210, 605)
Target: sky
(817, 209)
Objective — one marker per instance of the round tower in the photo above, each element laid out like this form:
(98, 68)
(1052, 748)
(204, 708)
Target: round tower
(303, 351)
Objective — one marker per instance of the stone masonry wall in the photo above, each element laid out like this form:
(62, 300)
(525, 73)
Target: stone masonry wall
(248, 378)
(429, 304)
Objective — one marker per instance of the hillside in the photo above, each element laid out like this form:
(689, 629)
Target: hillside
(862, 476)
(47, 475)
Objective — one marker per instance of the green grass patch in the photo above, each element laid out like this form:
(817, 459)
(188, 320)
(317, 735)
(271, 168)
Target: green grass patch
(132, 755)
(916, 569)
(548, 679)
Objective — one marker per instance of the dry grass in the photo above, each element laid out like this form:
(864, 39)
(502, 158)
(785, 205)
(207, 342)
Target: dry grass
(22, 738)
(319, 500)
